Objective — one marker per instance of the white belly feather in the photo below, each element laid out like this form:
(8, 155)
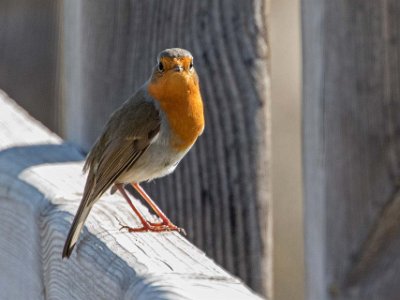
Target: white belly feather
(158, 160)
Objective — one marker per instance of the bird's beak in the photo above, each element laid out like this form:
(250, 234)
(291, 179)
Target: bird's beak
(178, 68)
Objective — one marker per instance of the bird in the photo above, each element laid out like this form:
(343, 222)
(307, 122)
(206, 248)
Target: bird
(144, 139)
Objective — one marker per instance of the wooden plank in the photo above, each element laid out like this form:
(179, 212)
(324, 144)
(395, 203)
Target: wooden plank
(351, 146)
(28, 56)
(40, 188)
(223, 185)
(314, 171)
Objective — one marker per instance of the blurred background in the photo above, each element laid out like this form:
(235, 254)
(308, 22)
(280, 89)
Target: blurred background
(71, 63)
(294, 185)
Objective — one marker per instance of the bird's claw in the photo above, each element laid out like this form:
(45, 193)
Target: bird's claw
(153, 227)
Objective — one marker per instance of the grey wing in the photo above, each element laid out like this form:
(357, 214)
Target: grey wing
(127, 136)
(125, 146)
(119, 158)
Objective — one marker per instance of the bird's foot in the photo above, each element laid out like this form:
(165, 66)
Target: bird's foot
(169, 225)
(154, 227)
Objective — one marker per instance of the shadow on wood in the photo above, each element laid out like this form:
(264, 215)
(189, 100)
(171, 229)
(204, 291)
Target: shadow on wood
(220, 192)
(40, 188)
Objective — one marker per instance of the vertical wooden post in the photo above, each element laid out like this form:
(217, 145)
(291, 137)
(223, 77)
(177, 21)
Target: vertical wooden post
(351, 148)
(28, 56)
(220, 192)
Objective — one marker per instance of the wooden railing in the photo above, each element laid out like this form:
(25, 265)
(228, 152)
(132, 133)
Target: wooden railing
(41, 182)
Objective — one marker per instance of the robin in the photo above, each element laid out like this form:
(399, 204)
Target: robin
(145, 139)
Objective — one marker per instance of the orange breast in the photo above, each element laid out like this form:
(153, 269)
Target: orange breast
(180, 99)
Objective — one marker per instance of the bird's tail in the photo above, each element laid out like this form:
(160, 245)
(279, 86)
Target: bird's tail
(77, 224)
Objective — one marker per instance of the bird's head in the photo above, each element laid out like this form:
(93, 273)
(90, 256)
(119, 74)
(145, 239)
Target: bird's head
(175, 86)
(174, 73)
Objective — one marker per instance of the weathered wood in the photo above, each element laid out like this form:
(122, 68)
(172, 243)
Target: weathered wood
(220, 191)
(28, 56)
(351, 148)
(41, 184)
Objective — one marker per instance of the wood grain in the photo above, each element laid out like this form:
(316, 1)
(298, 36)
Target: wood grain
(28, 56)
(40, 188)
(220, 193)
(351, 148)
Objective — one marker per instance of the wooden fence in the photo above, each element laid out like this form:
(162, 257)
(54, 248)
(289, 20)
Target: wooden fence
(102, 51)
(41, 184)
(351, 137)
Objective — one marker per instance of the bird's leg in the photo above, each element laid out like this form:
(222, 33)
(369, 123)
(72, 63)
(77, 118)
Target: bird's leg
(165, 221)
(146, 225)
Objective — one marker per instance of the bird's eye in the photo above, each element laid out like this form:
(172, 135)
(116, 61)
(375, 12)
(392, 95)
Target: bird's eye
(191, 65)
(160, 66)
